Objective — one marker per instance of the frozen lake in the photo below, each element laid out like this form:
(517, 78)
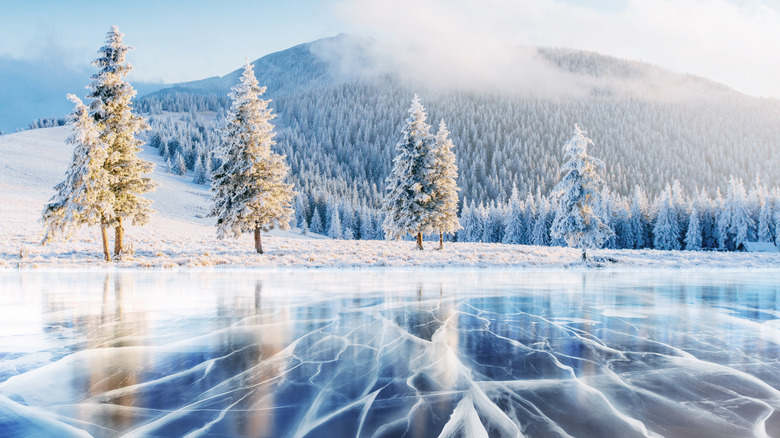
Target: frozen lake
(390, 353)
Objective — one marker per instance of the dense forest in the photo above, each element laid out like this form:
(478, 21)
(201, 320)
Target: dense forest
(694, 152)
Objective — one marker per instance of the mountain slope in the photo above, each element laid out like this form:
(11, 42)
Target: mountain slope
(341, 100)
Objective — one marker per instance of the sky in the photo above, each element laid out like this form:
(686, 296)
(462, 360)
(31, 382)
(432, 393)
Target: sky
(735, 42)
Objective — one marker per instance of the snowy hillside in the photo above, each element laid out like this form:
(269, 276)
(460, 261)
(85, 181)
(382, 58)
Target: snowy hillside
(32, 162)
(340, 102)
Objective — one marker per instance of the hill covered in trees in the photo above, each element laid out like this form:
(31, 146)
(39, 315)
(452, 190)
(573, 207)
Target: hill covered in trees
(340, 104)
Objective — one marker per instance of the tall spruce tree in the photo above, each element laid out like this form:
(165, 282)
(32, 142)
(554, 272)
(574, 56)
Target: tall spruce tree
(513, 222)
(84, 197)
(117, 126)
(666, 231)
(693, 234)
(445, 187)
(765, 222)
(639, 221)
(408, 202)
(577, 193)
(250, 192)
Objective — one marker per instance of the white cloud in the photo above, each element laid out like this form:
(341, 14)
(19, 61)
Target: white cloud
(735, 43)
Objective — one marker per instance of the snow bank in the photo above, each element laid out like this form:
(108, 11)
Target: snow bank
(179, 235)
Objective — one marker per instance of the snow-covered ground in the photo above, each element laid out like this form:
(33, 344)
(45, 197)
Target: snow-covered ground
(33, 162)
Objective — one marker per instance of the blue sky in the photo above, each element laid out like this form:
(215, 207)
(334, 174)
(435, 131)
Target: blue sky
(736, 42)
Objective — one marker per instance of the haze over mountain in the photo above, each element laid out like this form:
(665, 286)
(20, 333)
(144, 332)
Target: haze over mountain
(340, 102)
(36, 89)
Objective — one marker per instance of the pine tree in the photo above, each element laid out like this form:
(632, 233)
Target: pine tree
(408, 202)
(250, 192)
(540, 234)
(84, 197)
(577, 193)
(179, 166)
(723, 221)
(316, 222)
(741, 221)
(199, 174)
(112, 111)
(639, 221)
(693, 239)
(334, 227)
(468, 219)
(513, 222)
(445, 187)
(666, 232)
(765, 222)
(777, 224)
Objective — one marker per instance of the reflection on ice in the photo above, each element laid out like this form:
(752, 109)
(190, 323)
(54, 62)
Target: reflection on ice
(390, 354)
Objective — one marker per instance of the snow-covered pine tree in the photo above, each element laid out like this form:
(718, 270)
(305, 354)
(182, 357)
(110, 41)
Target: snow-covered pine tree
(693, 235)
(741, 221)
(112, 110)
(445, 187)
(766, 222)
(335, 230)
(468, 219)
(408, 202)
(514, 228)
(576, 194)
(540, 231)
(84, 197)
(723, 207)
(250, 192)
(529, 213)
(493, 230)
(777, 224)
(666, 231)
(179, 165)
(639, 221)
(199, 174)
(316, 222)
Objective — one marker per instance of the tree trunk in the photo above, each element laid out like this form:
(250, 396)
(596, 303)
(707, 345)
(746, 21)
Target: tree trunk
(419, 241)
(258, 242)
(104, 233)
(441, 240)
(119, 234)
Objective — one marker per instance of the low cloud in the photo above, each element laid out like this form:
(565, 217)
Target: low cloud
(462, 42)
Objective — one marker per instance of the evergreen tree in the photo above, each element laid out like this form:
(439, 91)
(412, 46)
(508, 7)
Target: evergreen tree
(179, 165)
(693, 235)
(576, 193)
(250, 192)
(540, 234)
(199, 174)
(777, 224)
(639, 219)
(112, 111)
(723, 221)
(666, 232)
(408, 202)
(316, 222)
(513, 221)
(741, 221)
(334, 227)
(529, 213)
(765, 222)
(84, 197)
(301, 209)
(445, 187)
(468, 219)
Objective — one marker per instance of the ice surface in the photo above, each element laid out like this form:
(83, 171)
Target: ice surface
(390, 354)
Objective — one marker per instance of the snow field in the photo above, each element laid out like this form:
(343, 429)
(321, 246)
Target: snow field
(33, 162)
